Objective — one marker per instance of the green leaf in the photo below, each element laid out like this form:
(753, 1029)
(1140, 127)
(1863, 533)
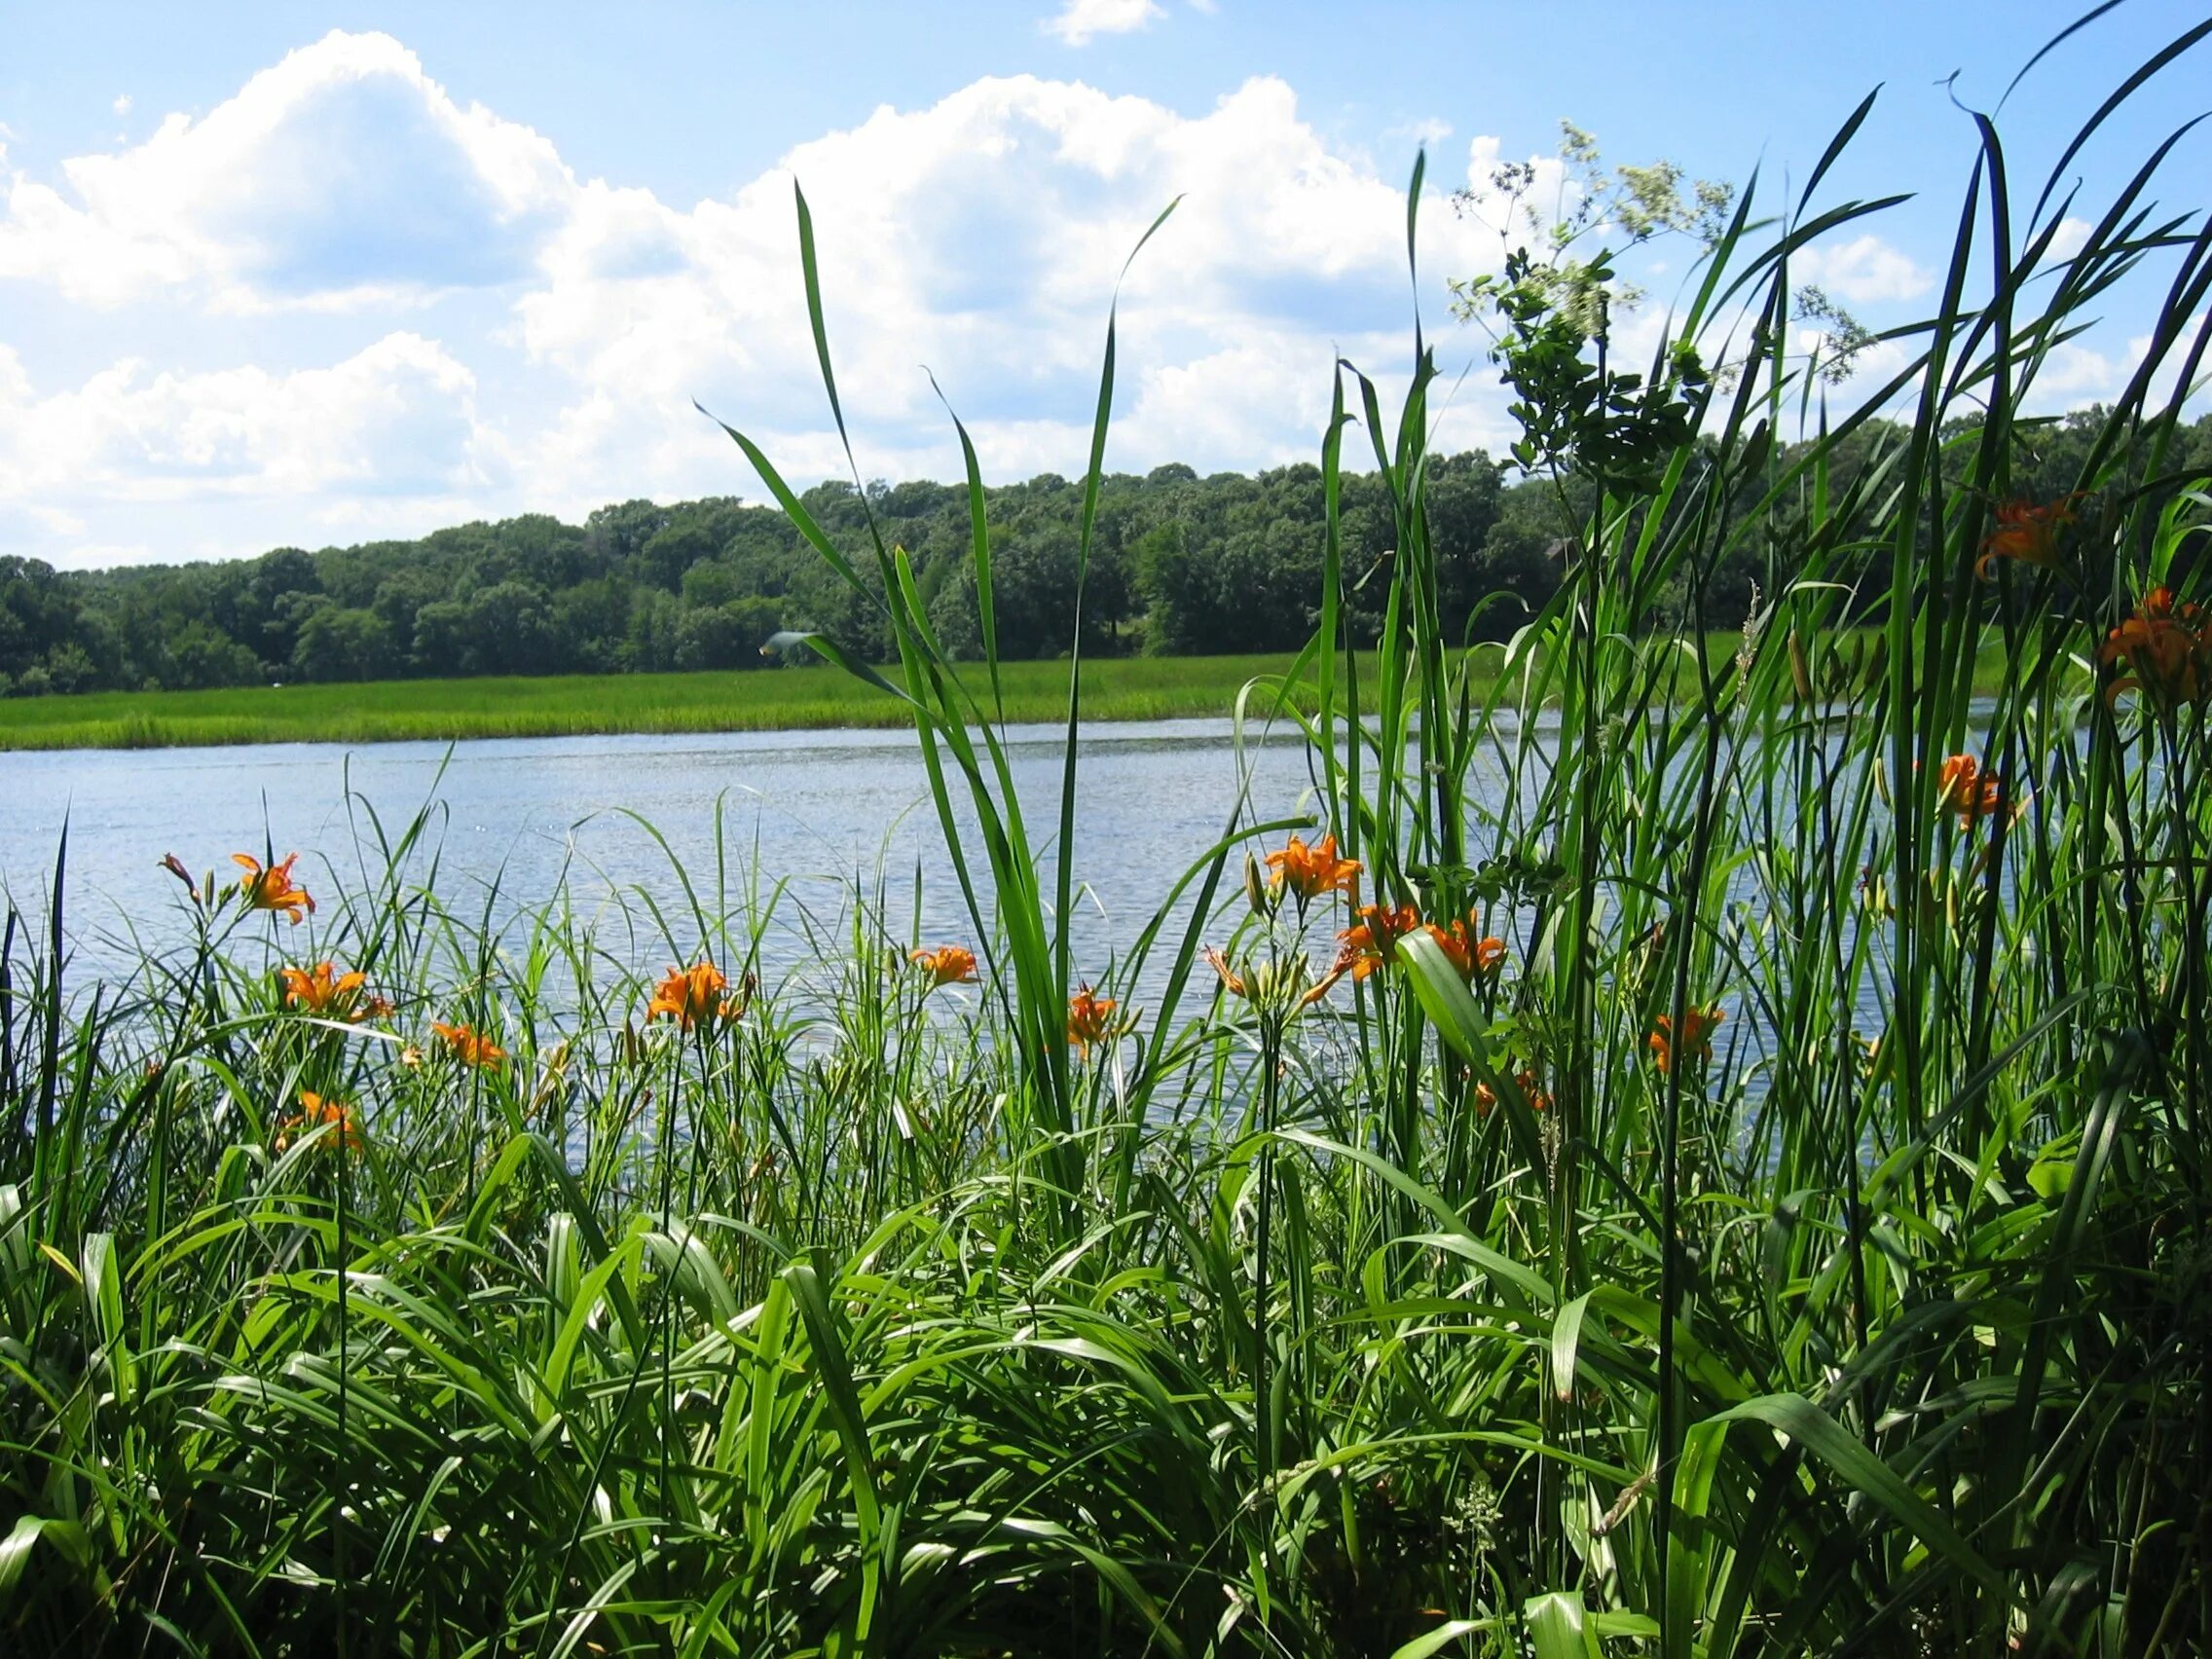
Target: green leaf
(1559, 1627)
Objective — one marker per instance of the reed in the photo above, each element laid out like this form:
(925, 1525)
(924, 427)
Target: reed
(1790, 1236)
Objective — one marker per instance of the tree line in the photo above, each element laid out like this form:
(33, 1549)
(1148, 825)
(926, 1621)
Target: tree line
(1180, 564)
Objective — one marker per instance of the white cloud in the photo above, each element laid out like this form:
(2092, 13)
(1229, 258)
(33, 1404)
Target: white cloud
(341, 175)
(980, 235)
(1080, 21)
(1865, 271)
(2071, 237)
(398, 417)
(121, 104)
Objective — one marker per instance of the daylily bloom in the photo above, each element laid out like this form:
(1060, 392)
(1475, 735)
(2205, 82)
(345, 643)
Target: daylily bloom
(1696, 1039)
(1963, 788)
(314, 1113)
(947, 964)
(2027, 533)
(1473, 957)
(1374, 942)
(2167, 647)
(1090, 1019)
(471, 1047)
(1310, 872)
(693, 995)
(271, 889)
(322, 990)
(1486, 1097)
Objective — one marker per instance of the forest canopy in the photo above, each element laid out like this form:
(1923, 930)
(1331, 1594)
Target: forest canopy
(1181, 565)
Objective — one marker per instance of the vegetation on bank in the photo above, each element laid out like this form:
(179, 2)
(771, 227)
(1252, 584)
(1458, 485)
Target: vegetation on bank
(1729, 1181)
(1127, 688)
(1176, 565)
(804, 698)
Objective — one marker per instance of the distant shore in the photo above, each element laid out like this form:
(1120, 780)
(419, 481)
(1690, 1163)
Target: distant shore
(796, 699)
(782, 699)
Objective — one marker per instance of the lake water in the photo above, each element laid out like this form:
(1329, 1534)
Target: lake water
(818, 810)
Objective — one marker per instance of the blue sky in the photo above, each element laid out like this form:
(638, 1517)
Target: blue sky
(303, 275)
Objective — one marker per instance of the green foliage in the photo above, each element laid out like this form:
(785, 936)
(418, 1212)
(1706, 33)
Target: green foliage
(1789, 1239)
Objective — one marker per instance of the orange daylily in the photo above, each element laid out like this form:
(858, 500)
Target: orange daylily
(471, 1047)
(1696, 1039)
(2027, 533)
(1473, 957)
(947, 965)
(1090, 1019)
(271, 889)
(2167, 647)
(693, 995)
(1962, 787)
(1486, 1097)
(322, 990)
(1374, 942)
(314, 1113)
(1310, 872)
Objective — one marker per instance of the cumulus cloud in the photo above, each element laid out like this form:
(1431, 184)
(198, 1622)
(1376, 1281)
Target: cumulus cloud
(341, 175)
(398, 417)
(121, 104)
(1864, 271)
(980, 235)
(2071, 237)
(1080, 21)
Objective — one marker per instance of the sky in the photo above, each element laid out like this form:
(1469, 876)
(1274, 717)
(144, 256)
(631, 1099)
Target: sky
(304, 275)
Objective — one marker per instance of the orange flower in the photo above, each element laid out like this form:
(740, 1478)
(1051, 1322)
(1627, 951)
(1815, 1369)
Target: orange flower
(1310, 872)
(1473, 957)
(322, 990)
(1696, 1039)
(691, 996)
(2166, 647)
(2027, 533)
(316, 1113)
(1374, 942)
(1090, 1019)
(947, 964)
(471, 1047)
(271, 889)
(1963, 788)
(1486, 1098)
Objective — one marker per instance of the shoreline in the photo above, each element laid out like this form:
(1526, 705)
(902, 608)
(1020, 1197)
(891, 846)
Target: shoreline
(1115, 690)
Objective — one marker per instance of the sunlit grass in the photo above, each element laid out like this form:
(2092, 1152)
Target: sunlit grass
(1788, 1236)
(1124, 688)
(808, 699)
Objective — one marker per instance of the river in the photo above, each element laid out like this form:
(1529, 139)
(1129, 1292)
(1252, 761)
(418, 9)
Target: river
(511, 819)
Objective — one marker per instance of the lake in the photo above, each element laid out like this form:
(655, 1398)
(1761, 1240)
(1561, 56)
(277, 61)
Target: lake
(817, 810)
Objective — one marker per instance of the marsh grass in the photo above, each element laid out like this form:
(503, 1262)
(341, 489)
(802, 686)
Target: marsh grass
(1435, 1315)
(1122, 689)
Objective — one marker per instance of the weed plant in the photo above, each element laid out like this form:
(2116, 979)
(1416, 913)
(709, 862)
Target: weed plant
(1724, 1175)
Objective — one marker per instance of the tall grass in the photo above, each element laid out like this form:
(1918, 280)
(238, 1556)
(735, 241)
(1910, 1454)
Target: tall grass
(1524, 1311)
(1129, 688)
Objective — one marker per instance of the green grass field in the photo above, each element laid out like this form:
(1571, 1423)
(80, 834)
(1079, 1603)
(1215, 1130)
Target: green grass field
(792, 699)
(1128, 689)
